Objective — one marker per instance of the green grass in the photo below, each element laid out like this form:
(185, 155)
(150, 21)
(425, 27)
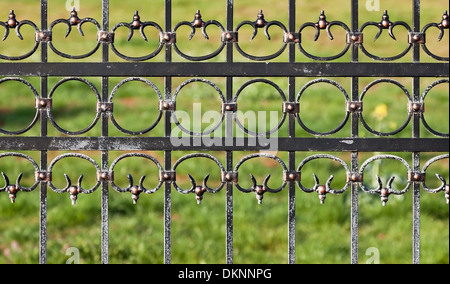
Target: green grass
(136, 232)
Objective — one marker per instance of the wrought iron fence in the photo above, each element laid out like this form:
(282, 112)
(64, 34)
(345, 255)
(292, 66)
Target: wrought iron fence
(13, 69)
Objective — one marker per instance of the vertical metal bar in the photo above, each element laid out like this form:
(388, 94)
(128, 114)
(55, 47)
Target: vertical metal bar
(292, 123)
(105, 154)
(229, 134)
(229, 212)
(43, 115)
(354, 133)
(416, 211)
(168, 154)
(416, 134)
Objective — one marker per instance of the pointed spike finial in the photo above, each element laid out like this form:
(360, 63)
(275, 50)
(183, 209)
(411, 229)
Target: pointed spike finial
(74, 20)
(136, 23)
(199, 192)
(322, 23)
(135, 192)
(12, 22)
(198, 22)
(444, 23)
(260, 21)
(74, 191)
(13, 190)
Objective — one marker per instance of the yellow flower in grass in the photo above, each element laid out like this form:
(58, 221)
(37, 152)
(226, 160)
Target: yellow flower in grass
(380, 112)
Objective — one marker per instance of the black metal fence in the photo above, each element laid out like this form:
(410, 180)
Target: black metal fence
(12, 69)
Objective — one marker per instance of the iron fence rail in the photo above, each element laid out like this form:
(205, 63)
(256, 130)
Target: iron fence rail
(14, 69)
(223, 69)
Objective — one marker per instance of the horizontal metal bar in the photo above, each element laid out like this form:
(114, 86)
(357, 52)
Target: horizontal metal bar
(212, 69)
(238, 144)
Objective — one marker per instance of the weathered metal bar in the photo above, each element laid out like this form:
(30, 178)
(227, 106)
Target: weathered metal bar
(354, 215)
(272, 69)
(416, 135)
(291, 127)
(229, 133)
(105, 154)
(43, 164)
(238, 144)
(168, 153)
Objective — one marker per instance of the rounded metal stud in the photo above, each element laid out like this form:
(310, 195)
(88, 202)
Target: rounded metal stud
(74, 20)
(12, 22)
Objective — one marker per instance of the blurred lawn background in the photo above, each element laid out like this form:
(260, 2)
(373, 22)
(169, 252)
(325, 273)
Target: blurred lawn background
(198, 232)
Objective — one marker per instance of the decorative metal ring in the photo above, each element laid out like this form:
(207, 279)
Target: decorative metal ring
(323, 190)
(425, 93)
(174, 116)
(14, 24)
(74, 21)
(444, 24)
(199, 190)
(320, 25)
(74, 190)
(283, 97)
(33, 122)
(258, 24)
(390, 81)
(158, 92)
(13, 189)
(266, 180)
(444, 182)
(136, 24)
(387, 190)
(196, 24)
(50, 110)
(343, 91)
(136, 190)
(385, 24)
